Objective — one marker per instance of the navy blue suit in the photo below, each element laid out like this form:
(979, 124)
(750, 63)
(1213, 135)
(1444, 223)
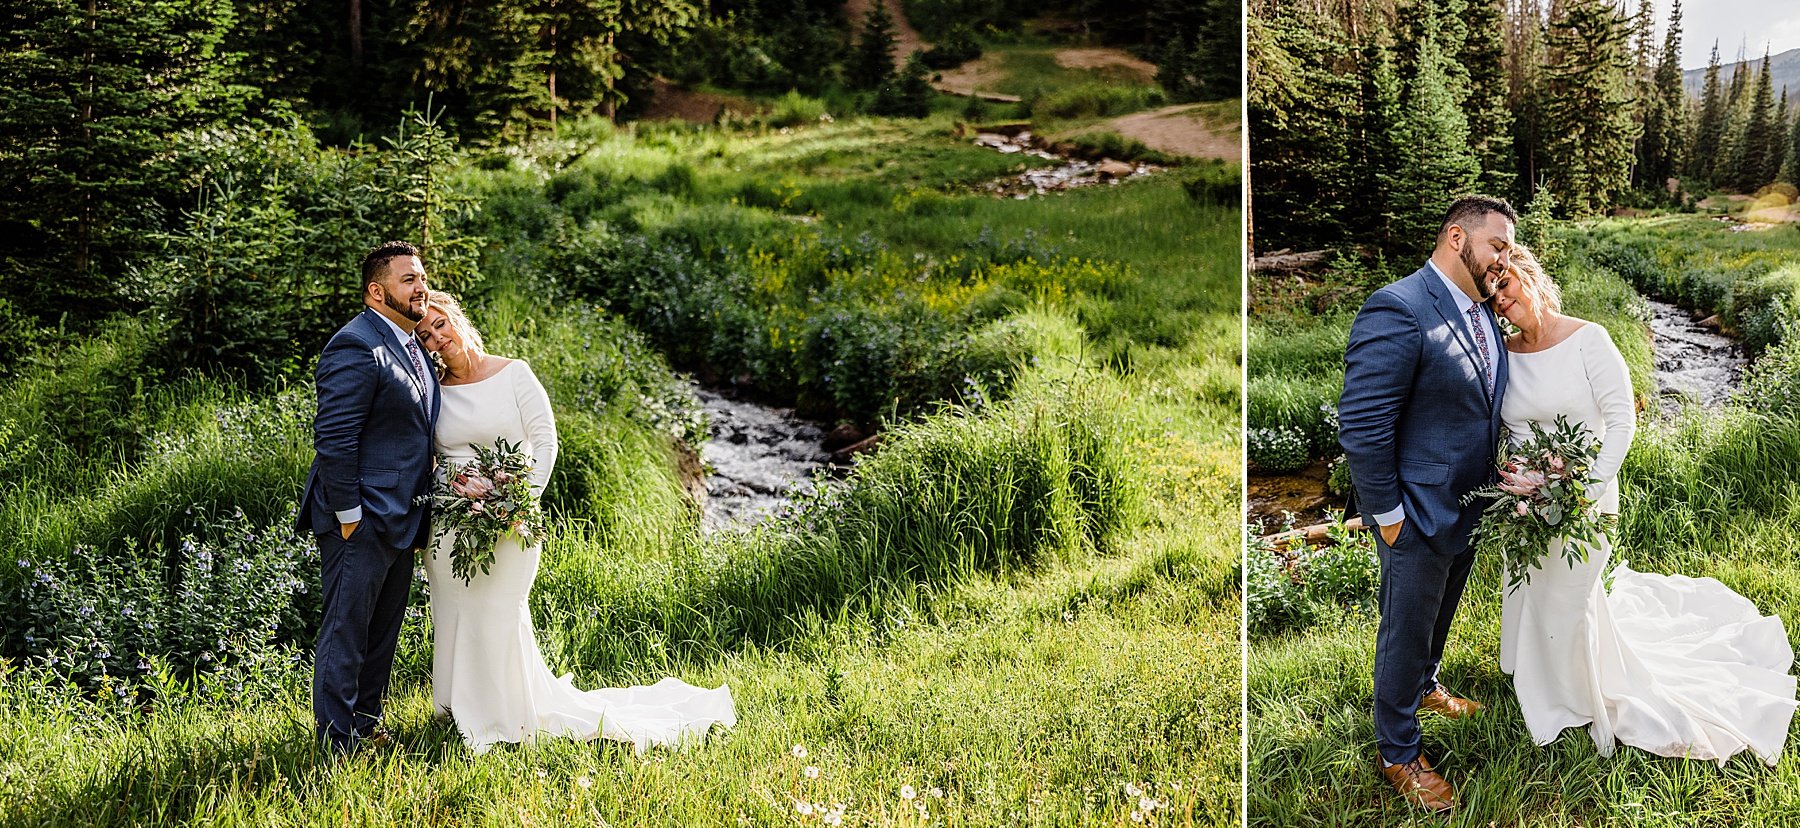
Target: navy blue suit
(372, 438)
(1419, 430)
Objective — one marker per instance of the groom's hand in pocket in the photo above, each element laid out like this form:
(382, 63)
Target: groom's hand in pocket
(1391, 532)
(348, 529)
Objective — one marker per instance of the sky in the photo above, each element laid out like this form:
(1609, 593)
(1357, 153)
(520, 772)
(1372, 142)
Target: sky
(1750, 23)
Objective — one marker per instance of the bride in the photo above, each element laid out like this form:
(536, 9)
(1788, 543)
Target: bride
(1674, 665)
(487, 672)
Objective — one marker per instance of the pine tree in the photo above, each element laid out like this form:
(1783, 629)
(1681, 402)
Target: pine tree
(871, 63)
(1375, 140)
(1485, 108)
(96, 98)
(1525, 61)
(1659, 153)
(1752, 157)
(907, 94)
(1778, 142)
(1300, 94)
(1590, 115)
(1793, 152)
(1435, 161)
(1709, 127)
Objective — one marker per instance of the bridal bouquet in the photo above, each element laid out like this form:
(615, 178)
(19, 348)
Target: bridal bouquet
(1542, 496)
(481, 500)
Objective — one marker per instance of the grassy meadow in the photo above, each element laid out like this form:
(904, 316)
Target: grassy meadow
(1025, 603)
(1709, 493)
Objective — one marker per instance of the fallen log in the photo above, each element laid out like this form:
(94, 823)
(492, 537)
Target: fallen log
(1318, 534)
(1282, 261)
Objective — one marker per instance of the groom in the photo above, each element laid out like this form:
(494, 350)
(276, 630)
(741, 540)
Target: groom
(372, 435)
(1424, 374)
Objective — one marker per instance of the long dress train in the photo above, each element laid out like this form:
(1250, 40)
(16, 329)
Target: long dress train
(487, 672)
(1674, 665)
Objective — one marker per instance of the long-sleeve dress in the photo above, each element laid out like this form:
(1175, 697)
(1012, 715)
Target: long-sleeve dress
(487, 671)
(1674, 665)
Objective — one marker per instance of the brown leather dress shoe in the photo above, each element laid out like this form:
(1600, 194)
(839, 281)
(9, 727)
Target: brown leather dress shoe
(1440, 701)
(1420, 785)
(378, 739)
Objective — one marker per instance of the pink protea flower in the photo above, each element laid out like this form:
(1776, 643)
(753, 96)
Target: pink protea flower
(474, 487)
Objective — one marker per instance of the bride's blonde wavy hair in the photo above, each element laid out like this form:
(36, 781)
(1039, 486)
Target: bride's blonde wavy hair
(452, 310)
(1534, 283)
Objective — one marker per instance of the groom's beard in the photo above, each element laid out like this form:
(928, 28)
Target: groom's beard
(1476, 275)
(404, 310)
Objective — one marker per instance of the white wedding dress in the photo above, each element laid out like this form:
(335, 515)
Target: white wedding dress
(486, 671)
(1674, 665)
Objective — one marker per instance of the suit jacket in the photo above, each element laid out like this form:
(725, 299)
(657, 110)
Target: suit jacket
(371, 436)
(1416, 422)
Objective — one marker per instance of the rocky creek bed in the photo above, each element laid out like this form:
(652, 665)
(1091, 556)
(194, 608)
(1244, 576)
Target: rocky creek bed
(1071, 173)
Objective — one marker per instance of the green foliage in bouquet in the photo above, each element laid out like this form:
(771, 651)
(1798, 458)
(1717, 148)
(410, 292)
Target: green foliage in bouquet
(482, 499)
(1543, 494)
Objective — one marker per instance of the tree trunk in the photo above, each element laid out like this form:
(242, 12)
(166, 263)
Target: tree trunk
(356, 44)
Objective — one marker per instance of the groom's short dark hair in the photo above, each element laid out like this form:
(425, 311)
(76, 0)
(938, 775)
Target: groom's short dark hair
(1473, 209)
(374, 264)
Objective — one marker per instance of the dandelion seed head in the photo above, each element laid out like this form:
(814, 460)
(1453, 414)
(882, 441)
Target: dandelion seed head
(803, 808)
(799, 751)
(812, 772)
(907, 792)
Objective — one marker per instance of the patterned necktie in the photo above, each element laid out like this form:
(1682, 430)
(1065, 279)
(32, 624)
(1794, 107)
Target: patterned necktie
(1476, 324)
(412, 350)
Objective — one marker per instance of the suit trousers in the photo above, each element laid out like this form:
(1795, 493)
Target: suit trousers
(366, 585)
(1419, 591)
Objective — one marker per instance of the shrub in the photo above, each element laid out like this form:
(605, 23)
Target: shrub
(955, 48)
(794, 109)
(1091, 100)
(1763, 308)
(1293, 589)
(92, 616)
(1214, 183)
(1277, 450)
(1772, 385)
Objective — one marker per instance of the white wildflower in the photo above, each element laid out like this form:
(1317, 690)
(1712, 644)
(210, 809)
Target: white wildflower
(803, 808)
(907, 792)
(812, 772)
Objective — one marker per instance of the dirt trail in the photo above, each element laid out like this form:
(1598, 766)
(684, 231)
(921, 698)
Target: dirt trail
(906, 38)
(1177, 130)
(1104, 59)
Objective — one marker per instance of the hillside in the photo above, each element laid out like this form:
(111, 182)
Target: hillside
(1784, 70)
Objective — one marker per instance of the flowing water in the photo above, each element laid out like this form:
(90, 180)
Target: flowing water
(759, 458)
(1693, 364)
